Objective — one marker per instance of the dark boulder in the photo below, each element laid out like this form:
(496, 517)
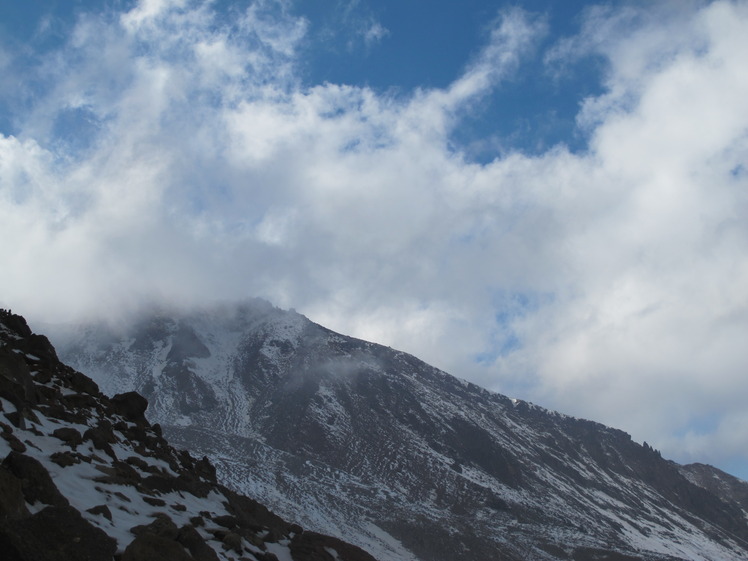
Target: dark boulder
(101, 437)
(150, 547)
(55, 534)
(232, 541)
(69, 436)
(15, 323)
(65, 459)
(193, 541)
(12, 501)
(162, 526)
(82, 383)
(312, 546)
(131, 405)
(16, 384)
(251, 514)
(36, 483)
(15, 444)
(101, 510)
(156, 542)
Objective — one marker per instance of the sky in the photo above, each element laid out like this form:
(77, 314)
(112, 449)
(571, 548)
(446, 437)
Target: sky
(549, 199)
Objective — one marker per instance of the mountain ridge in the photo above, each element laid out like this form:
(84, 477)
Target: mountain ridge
(86, 477)
(378, 448)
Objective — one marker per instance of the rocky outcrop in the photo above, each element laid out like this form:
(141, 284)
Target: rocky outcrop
(87, 478)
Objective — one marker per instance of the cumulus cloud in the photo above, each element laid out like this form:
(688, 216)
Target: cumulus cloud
(166, 153)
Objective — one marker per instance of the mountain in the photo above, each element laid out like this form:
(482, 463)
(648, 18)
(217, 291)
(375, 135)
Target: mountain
(85, 477)
(378, 448)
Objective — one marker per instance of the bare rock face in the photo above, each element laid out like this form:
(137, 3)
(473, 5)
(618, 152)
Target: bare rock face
(389, 453)
(55, 533)
(88, 478)
(36, 483)
(12, 500)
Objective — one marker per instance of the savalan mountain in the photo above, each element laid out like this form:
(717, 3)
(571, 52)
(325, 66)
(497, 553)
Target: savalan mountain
(375, 447)
(85, 477)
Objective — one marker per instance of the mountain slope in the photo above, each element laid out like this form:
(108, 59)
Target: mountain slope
(375, 446)
(88, 478)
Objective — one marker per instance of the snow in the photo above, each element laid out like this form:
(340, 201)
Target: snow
(280, 550)
(346, 500)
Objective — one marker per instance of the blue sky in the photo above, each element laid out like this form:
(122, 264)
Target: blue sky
(395, 48)
(546, 198)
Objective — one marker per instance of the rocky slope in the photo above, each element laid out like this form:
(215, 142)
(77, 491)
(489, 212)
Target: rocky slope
(376, 447)
(86, 478)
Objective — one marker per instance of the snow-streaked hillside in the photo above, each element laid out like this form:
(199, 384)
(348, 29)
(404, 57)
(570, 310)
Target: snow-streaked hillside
(374, 446)
(88, 478)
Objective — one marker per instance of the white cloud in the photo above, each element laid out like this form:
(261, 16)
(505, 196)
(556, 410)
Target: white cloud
(374, 33)
(610, 284)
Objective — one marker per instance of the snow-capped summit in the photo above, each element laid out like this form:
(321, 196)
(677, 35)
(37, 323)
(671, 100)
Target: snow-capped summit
(376, 447)
(84, 477)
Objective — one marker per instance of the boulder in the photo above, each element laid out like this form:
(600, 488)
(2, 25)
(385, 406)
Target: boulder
(190, 538)
(150, 547)
(64, 459)
(16, 384)
(36, 483)
(102, 510)
(101, 437)
(312, 546)
(82, 383)
(162, 526)
(69, 436)
(131, 405)
(55, 534)
(12, 501)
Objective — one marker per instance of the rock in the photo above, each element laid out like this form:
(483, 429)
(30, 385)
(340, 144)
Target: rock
(101, 438)
(233, 542)
(57, 411)
(15, 323)
(102, 510)
(64, 459)
(126, 471)
(312, 546)
(150, 547)
(154, 501)
(191, 539)
(16, 419)
(250, 513)
(79, 401)
(47, 394)
(15, 444)
(82, 383)
(118, 473)
(55, 534)
(35, 480)
(137, 462)
(206, 470)
(130, 405)
(16, 384)
(69, 436)
(227, 521)
(12, 501)
(162, 526)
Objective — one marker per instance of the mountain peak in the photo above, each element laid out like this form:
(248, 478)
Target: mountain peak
(373, 445)
(88, 477)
